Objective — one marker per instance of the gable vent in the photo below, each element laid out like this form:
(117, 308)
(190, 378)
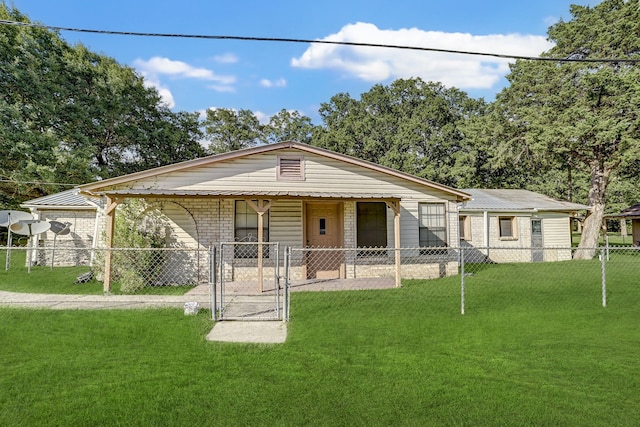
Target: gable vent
(291, 168)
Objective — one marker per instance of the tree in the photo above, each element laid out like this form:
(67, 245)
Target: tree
(289, 126)
(230, 130)
(410, 125)
(68, 116)
(583, 115)
(31, 61)
(119, 123)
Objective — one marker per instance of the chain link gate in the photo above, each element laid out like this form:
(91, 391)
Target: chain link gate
(246, 282)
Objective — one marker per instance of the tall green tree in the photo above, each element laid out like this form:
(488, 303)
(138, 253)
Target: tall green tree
(410, 125)
(581, 115)
(68, 116)
(31, 66)
(118, 122)
(229, 130)
(289, 126)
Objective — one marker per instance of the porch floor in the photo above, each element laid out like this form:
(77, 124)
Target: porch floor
(250, 287)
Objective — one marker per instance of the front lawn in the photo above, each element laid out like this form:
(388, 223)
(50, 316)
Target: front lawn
(61, 280)
(524, 354)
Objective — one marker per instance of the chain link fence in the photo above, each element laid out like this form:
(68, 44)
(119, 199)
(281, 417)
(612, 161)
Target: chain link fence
(248, 285)
(465, 279)
(472, 279)
(133, 270)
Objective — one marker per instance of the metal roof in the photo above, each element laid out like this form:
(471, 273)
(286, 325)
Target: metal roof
(515, 200)
(630, 212)
(69, 199)
(245, 193)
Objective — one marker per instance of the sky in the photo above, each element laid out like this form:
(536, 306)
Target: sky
(266, 77)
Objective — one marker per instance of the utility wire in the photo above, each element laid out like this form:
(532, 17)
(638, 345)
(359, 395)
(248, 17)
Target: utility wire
(13, 181)
(307, 41)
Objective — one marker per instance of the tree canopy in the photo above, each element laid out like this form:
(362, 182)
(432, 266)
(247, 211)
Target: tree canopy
(410, 125)
(580, 116)
(69, 116)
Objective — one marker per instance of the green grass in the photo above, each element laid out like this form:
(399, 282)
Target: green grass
(615, 239)
(60, 280)
(535, 348)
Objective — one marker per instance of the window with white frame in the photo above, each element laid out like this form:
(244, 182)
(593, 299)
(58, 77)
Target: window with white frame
(432, 225)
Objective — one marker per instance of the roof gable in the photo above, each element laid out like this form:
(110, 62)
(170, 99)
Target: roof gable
(214, 160)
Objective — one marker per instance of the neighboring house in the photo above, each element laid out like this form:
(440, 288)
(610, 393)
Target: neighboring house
(83, 218)
(527, 223)
(632, 213)
(294, 194)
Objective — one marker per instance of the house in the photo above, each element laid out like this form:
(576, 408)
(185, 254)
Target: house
(81, 215)
(632, 213)
(294, 194)
(532, 226)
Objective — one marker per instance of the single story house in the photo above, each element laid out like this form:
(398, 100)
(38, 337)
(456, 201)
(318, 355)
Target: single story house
(632, 213)
(532, 226)
(82, 216)
(294, 194)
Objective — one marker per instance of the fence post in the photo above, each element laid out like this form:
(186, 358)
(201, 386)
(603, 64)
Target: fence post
(461, 280)
(398, 264)
(276, 275)
(212, 282)
(287, 267)
(604, 276)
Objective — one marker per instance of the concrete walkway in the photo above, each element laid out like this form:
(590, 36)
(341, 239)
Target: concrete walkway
(98, 302)
(231, 331)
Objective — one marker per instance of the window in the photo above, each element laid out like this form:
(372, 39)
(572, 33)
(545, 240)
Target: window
(507, 227)
(290, 168)
(465, 227)
(371, 225)
(432, 223)
(246, 230)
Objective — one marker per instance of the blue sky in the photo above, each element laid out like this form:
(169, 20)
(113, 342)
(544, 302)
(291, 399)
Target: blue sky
(265, 77)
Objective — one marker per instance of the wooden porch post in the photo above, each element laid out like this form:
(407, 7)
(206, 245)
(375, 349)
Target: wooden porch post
(260, 207)
(395, 206)
(110, 211)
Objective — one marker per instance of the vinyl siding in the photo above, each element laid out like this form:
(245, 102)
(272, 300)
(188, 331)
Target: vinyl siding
(556, 231)
(286, 223)
(259, 173)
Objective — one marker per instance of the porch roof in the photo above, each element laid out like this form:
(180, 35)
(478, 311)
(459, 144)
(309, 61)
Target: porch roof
(151, 193)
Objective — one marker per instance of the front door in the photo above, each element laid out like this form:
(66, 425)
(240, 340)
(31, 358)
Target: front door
(324, 230)
(537, 244)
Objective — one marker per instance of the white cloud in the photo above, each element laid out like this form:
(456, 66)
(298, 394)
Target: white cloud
(374, 64)
(157, 66)
(273, 83)
(165, 93)
(263, 118)
(222, 88)
(226, 58)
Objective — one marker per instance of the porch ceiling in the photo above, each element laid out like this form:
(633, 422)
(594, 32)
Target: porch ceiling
(152, 193)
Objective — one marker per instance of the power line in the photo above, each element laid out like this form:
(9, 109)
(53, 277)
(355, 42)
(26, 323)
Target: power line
(12, 181)
(308, 41)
